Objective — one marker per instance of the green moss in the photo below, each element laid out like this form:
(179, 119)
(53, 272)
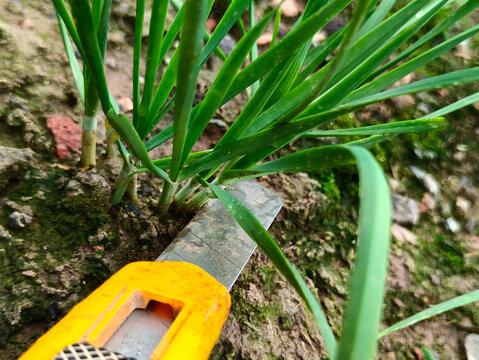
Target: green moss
(328, 185)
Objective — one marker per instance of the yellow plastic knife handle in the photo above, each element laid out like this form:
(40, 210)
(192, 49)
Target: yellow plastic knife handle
(200, 302)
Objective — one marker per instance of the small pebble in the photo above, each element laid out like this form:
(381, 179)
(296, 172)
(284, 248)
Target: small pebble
(453, 225)
(111, 62)
(405, 210)
(265, 39)
(26, 24)
(402, 234)
(403, 101)
(227, 44)
(429, 201)
(463, 50)
(425, 108)
(211, 24)
(125, 103)
(463, 206)
(435, 280)
(319, 37)
(427, 180)
(418, 352)
(132, 210)
(395, 185)
(53, 310)
(390, 356)
(29, 273)
(399, 302)
(472, 346)
(18, 220)
(290, 8)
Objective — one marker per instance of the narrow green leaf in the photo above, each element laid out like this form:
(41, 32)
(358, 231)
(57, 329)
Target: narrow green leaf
(435, 82)
(376, 17)
(160, 138)
(382, 37)
(355, 76)
(172, 32)
(256, 231)
(102, 29)
(188, 69)
(433, 311)
(465, 9)
(254, 48)
(207, 36)
(410, 66)
(72, 60)
(92, 55)
(168, 80)
(256, 103)
(364, 308)
(369, 141)
(165, 163)
(139, 17)
(62, 11)
(251, 144)
(231, 16)
(313, 6)
(159, 10)
(427, 354)
(318, 55)
(167, 83)
(100, 16)
(290, 75)
(455, 78)
(277, 20)
(286, 47)
(326, 158)
(222, 82)
(359, 13)
(316, 159)
(125, 129)
(96, 9)
(396, 127)
(358, 340)
(294, 98)
(469, 100)
(123, 151)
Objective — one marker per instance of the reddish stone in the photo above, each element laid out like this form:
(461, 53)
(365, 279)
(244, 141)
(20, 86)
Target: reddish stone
(67, 135)
(265, 39)
(211, 24)
(125, 103)
(428, 201)
(422, 208)
(418, 353)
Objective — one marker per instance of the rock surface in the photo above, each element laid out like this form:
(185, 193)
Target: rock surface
(227, 44)
(403, 235)
(472, 346)
(18, 220)
(405, 210)
(453, 225)
(12, 162)
(265, 39)
(427, 180)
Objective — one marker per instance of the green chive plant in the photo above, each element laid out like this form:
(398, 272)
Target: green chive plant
(292, 92)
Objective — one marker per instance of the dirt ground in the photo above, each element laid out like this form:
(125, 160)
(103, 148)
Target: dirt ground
(76, 239)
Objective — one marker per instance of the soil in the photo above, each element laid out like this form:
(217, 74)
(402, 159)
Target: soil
(76, 240)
